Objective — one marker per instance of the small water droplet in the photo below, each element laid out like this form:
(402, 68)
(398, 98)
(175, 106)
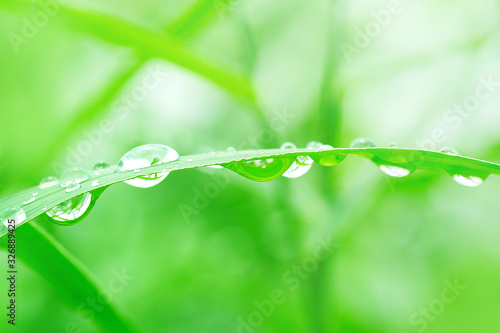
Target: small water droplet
(288, 145)
(393, 145)
(144, 156)
(326, 147)
(190, 159)
(101, 167)
(35, 194)
(72, 176)
(314, 145)
(69, 211)
(469, 181)
(215, 166)
(15, 214)
(394, 171)
(48, 182)
(263, 169)
(230, 150)
(72, 187)
(363, 143)
(449, 151)
(96, 183)
(29, 201)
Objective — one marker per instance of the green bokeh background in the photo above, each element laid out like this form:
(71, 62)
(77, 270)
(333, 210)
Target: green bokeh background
(398, 242)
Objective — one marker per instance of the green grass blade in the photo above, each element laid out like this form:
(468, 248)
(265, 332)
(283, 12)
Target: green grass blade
(36, 248)
(146, 42)
(410, 159)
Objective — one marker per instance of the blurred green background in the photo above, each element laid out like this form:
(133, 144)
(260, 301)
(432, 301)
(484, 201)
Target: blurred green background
(89, 83)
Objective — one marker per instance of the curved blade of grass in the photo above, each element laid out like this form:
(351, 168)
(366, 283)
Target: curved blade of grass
(405, 158)
(146, 42)
(66, 274)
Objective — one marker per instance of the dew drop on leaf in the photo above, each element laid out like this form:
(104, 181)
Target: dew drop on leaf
(144, 156)
(394, 171)
(469, 181)
(70, 211)
(72, 187)
(449, 151)
(48, 182)
(230, 150)
(300, 166)
(13, 213)
(362, 143)
(73, 176)
(100, 167)
(262, 170)
(96, 183)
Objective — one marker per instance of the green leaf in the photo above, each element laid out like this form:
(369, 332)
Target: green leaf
(67, 275)
(409, 159)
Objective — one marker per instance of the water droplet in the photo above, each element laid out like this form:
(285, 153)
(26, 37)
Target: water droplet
(469, 181)
(288, 145)
(144, 156)
(215, 166)
(395, 171)
(299, 167)
(72, 187)
(48, 182)
(101, 167)
(190, 160)
(72, 176)
(449, 151)
(230, 150)
(15, 214)
(362, 143)
(314, 145)
(29, 201)
(70, 211)
(35, 194)
(96, 183)
(262, 170)
(393, 145)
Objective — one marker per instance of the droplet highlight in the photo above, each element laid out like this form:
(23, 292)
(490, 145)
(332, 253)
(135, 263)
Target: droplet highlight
(469, 181)
(48, 182)
(394, 171)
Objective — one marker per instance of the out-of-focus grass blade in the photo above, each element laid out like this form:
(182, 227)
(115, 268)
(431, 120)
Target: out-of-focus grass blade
(66, 274)
(146, 42)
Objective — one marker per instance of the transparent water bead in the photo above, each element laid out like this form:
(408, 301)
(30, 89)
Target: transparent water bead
(449, 151)
(73, 176)
(96, 183)
(69, 211)
(362, 143)
(300, 166)
(144, 156)
(48, 182)
(100, 167)
(469, 181)
(72, 187)
(393, 145)
(394, 171)
(230, 150)
(15, 214)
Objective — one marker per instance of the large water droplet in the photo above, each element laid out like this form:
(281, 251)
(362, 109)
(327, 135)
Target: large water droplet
(362, 143)
(395, 171)
(300, 166)
(73, 176)
(13, 216)
(262, 170)
(449, 151)
(101, 167)
(70, 211)
(48, 182)
(144, 156)
(469, 181)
